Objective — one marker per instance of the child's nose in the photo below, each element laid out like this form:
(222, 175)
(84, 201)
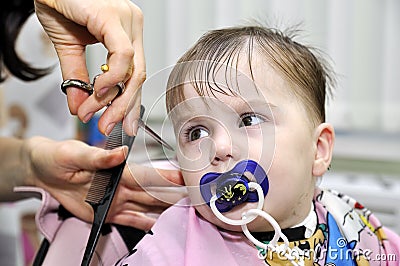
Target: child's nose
(226, 148)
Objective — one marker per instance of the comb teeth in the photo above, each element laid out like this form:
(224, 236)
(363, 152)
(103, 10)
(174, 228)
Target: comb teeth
(101, 179)
(116, 137)
(98, 187)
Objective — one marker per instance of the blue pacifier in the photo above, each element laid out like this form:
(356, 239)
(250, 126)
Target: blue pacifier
(232, 187)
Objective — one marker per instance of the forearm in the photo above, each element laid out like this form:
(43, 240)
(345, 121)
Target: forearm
(13, 168)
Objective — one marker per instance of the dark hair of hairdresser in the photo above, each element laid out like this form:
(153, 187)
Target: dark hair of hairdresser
(13, 15)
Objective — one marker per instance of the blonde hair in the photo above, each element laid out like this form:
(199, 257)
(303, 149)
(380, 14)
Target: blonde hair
(296, 62)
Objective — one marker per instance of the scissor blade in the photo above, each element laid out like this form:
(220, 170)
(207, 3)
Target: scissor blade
(154, 135)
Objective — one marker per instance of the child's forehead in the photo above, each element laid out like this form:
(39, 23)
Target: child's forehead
(219, 104)
(247, 81)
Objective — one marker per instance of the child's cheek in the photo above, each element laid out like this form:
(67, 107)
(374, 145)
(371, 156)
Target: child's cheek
(194, 158)
(192, 182)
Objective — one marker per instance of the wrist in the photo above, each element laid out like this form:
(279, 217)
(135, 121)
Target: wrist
(28, 161)
(26, 165)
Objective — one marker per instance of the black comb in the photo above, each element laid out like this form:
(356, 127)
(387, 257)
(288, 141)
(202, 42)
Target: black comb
(103, 187)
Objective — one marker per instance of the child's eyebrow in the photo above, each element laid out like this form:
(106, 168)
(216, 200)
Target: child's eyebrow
(187, 114)
(260, 102)
(256, 104)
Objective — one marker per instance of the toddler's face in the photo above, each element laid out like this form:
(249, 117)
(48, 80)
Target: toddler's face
(267, 125)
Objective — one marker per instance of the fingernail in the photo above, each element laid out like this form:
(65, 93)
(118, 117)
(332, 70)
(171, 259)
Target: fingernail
(109, 129)
(101, 92)
(118, 150)
(135, 125)
(87, 117)
(125, 150)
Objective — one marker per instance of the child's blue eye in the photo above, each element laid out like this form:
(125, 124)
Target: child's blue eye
(196, 133)
(248, 120)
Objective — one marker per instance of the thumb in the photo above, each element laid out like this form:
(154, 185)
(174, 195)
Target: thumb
(105, 159)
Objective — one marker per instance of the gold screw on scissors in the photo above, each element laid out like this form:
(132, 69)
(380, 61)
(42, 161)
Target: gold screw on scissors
(104, 68)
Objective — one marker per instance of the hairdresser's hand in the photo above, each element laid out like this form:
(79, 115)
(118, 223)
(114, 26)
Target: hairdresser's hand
(143, 192)
(65, 169)
(118, 25)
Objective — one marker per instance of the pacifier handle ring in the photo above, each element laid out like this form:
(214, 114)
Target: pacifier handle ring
(274, 241)
(272, 221)
(252, 185)
(249, 216)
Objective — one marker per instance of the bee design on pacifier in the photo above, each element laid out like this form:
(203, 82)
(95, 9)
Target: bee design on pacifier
(233, 191)
(232, 187)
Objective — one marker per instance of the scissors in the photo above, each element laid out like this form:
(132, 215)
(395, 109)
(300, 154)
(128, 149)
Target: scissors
(89, 88)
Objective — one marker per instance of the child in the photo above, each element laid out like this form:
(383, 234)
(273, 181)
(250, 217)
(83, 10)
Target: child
(248, 109)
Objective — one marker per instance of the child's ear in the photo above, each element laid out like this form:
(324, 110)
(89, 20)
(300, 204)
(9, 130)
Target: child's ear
(325, 138)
